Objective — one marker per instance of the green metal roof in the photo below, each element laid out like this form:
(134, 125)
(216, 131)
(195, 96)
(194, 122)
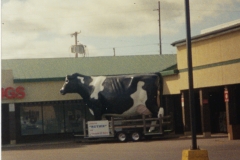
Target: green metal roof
(48, 69)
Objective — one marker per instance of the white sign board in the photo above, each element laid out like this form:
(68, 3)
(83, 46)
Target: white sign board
(98, 128)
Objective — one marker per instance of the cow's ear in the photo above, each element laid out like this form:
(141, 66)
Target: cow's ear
(69, 76)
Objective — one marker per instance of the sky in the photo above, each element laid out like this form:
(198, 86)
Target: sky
(43, 28)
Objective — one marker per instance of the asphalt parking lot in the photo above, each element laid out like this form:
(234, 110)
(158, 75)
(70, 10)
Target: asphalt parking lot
(164, 148)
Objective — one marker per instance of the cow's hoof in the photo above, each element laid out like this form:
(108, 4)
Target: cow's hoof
(153, 131)
(122, 136)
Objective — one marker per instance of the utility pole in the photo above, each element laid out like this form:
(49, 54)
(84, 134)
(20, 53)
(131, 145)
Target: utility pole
(75, 34)
(159, 21)
(113, 51)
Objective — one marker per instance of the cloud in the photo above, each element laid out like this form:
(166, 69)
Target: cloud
(31, 25)
(103, 18)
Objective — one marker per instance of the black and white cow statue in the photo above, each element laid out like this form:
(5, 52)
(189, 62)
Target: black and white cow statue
(122, 95)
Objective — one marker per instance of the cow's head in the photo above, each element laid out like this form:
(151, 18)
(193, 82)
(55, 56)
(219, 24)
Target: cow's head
(77, 83)
(70, 85)
(73, 84)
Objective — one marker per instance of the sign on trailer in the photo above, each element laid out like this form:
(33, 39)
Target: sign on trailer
(98, 128)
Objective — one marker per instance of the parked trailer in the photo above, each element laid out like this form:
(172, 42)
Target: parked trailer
(125, 128)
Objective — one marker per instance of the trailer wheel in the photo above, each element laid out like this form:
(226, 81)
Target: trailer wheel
(122, 136)
(135, 136)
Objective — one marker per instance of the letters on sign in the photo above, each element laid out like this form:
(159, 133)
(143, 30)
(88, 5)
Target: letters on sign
(11, 93)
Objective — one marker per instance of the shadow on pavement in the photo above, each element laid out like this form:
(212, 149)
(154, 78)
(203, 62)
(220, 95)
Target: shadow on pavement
(80, 142)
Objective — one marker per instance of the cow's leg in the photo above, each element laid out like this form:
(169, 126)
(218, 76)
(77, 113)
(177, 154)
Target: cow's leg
(152, 128)
(95, 113)
(95, 108)
(91, 111)
(143, 110)
(160, 112)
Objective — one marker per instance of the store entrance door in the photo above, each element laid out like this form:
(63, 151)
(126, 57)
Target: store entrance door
(217, 111)
(197, 113)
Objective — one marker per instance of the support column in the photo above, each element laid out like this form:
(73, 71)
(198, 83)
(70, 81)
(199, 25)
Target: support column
(169, 102)
(186, 113)
(12, 123)
(232, 102)
(205, 113)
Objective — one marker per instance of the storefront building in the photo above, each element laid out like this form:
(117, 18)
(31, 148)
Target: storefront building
(32, 106)
(36, 108)
(216, 76)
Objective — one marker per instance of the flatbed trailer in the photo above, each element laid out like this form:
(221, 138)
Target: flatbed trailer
(126, 128)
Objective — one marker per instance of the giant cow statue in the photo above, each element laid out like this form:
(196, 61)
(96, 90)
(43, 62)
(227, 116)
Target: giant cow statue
(122, 95)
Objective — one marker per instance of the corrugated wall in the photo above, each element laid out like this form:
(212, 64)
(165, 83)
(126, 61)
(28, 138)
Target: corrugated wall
(216, 61)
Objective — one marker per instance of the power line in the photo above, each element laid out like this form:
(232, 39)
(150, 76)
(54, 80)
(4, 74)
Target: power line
(127, 46)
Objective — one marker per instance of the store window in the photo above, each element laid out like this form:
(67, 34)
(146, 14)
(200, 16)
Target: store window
(53, 119)
(31, 120)
(74, 115)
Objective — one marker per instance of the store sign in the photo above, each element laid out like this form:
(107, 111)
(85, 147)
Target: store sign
(98, 128)
(13, 93)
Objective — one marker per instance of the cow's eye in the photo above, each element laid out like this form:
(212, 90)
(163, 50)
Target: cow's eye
(66, 80)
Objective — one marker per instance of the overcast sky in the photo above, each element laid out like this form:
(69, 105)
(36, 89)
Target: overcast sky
(42, 28)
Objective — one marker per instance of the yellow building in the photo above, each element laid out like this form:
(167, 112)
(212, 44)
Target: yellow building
(216, 80)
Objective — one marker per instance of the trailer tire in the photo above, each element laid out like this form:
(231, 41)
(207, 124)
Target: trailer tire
(122, 136)
(135, 136)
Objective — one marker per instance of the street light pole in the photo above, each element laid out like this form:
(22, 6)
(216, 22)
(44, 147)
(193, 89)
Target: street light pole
(190, 76)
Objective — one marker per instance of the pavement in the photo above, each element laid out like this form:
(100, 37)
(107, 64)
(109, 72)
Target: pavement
(82, 140)
(168, 147)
